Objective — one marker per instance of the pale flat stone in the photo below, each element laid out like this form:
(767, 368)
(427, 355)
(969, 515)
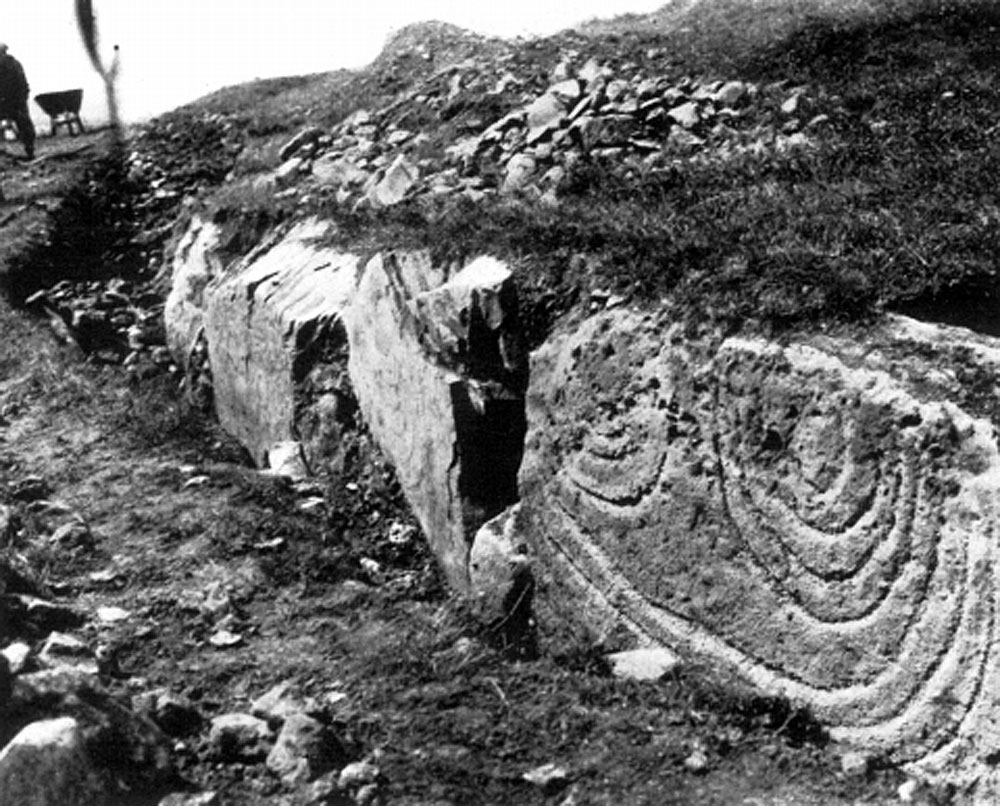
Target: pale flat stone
(17, 655)
(650, 663)
(286, 459)
(544, 114)
(685, 115)
(392, 188)
(258, 316)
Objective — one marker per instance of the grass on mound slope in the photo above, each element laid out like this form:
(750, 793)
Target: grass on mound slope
(896, 207)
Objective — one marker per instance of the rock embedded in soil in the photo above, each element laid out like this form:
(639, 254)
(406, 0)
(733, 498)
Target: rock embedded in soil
(191, 799)
(304, 750)
(301, 336)
(358, 774)
(18, 656)
(239, 737)
(550, 778)
(47, 764)
(141, 759)
(175, 714)
(280, 702)
(61, 650)
(649, 663)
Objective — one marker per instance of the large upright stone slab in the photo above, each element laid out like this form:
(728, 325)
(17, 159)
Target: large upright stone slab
(437, 370)
(301, 336)
(265, 320)
(820, 516)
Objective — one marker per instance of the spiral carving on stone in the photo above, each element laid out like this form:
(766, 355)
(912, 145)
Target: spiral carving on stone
(816, 526)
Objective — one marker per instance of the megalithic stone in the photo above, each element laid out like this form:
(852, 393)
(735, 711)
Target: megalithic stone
(820, 516)
(439, 373)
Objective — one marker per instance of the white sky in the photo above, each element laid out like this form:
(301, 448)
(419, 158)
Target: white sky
(173, 51)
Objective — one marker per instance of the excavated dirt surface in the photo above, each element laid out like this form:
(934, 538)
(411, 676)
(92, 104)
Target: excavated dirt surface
(305, 584)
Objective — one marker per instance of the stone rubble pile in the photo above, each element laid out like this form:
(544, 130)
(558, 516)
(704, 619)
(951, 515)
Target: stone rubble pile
(118, 321)
(510, 139)
(114, 321)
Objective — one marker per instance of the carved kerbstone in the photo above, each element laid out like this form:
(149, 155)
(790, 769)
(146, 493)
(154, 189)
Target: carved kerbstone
(820, 516)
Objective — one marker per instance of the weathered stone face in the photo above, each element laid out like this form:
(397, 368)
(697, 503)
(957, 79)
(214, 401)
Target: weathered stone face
(819, 516)
(437, 374)
(301, 337)
(195, 264)
(260, 318)
(807, 515)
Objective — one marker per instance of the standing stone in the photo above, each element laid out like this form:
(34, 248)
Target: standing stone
(47, 764)
(439, 374)
(259, 319)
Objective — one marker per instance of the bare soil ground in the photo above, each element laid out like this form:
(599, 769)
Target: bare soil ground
(305, 584)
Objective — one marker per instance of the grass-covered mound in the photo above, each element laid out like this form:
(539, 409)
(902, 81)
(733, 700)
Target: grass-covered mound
(894, 208)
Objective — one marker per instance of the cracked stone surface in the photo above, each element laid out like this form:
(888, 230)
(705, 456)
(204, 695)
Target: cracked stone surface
(299, 336)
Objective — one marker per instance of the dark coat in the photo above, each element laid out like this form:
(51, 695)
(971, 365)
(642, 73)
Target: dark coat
(13, 83)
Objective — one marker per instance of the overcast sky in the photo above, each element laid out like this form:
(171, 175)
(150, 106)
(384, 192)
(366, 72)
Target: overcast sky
(173, 51)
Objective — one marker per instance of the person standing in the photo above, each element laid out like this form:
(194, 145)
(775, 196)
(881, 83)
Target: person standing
(14, 99)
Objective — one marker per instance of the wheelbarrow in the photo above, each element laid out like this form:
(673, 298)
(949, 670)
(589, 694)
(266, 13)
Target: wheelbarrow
(63, 109)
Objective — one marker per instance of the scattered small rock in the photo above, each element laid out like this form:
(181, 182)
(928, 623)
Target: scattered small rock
(854, 763)
(908, 790)
(281, 702)
(176, 715)
(649, 663)
(550, 778)
(111, 615)
(73, 535)
(17, 654)
(357, 774)
(188, 799)
(239, 737)
(697, 761)
(223, 639)
(368, 795)
(61, 649)
(304, 750)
